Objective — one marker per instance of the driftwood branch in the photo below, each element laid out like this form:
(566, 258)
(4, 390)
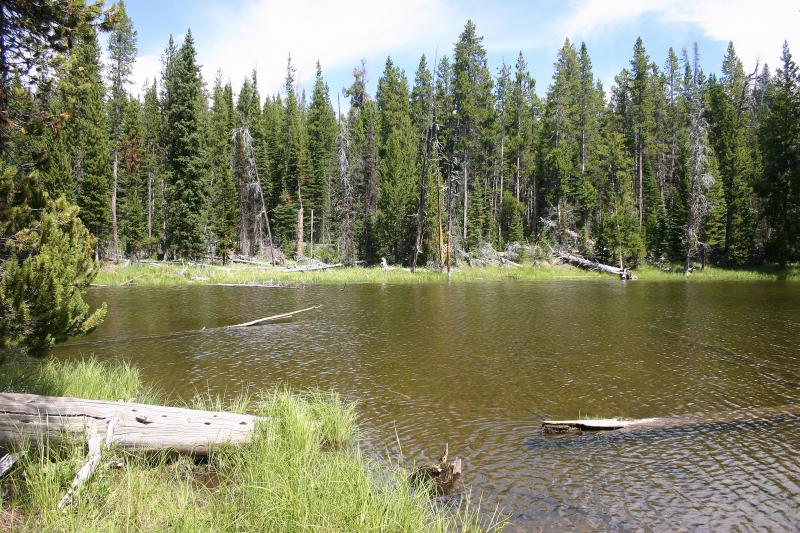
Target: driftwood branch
(8, 461)
(273, 317)
(96, 445)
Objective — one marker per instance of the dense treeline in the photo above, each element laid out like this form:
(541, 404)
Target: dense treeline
(670, 164)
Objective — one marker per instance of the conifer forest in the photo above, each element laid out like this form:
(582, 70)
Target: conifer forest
(670, 163)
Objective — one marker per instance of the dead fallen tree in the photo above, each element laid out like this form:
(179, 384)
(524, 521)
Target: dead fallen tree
(310, 268)
(586, 263)
(30, 418)
(612, 424)
(136, 427)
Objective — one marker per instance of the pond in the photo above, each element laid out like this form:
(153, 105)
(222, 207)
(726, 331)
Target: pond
(479, 366)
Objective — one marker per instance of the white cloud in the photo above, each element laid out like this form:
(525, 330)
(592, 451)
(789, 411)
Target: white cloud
(262, 33)
(757, 28)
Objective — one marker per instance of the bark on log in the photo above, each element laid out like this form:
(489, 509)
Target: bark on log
(138, 427)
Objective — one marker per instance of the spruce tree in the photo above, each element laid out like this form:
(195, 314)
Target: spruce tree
(472, 124)
(224, 198)
(85, 136)
(322, 132)
(398, 171)
(187, 186)
(780, 183)
(153, 168)
(729, 131)
(122, 54)
(132, 195)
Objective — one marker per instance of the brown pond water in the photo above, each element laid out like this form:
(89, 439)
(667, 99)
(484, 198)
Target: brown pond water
(480, 365)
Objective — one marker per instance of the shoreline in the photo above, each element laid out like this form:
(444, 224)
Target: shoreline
(173, 274)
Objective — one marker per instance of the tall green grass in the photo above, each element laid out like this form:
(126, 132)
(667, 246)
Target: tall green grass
(301, 472)
(176, 275)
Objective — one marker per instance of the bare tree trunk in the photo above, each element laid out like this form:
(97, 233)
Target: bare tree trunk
(466, 192)
(149, 204)
(641, 173)
(312, 234)
(300, 244)
(114, 231)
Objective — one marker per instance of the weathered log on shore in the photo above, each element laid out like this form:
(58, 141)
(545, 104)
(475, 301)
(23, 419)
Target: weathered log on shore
(611, 424)
(587, 264)
(310, 268)
(136, 427)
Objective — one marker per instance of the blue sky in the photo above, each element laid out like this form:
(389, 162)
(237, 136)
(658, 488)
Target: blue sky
(237, 36)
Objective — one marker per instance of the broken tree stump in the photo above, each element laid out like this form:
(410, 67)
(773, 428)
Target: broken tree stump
(443, 474)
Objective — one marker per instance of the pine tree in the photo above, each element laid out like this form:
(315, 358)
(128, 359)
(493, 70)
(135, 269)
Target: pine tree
(185, 154)
(122, 53)
(153, 169)
(132, 181)
(560, 134)
(224, 199)
(46, 252)
(729, 136)
(322, 131)
(398, 173)
(85, 136)
(780, 184)
(472, 124)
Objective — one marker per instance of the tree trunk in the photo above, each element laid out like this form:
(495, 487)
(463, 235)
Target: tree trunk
(300, 252)
(114, 231)
(466, 184)
(149, 204)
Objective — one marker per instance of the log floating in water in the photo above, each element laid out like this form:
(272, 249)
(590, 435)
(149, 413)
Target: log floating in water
(611, 424)
(273, 317)
(596, 424)
(138, 427)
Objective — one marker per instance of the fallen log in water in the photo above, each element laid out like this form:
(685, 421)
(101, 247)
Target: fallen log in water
(611, 424)
(136, 427)
(191, 331)
(273, 317)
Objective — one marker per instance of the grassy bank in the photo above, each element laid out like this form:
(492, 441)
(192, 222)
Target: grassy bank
(302, 471)
(174, 274)
(156, 275)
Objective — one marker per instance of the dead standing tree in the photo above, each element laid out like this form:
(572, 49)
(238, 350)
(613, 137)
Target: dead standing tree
(252, 206)
(344, 206)
(699, 179)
